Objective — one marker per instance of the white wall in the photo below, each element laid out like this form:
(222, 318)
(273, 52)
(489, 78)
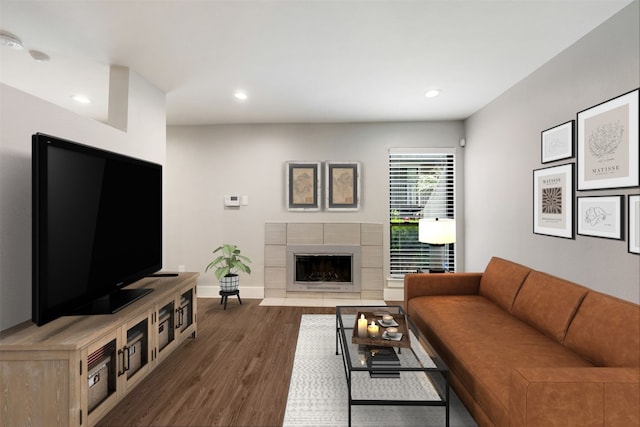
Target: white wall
(503, 148)
(22, 115)
(205, 163)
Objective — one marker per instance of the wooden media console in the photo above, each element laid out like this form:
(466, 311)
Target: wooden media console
(73, 370)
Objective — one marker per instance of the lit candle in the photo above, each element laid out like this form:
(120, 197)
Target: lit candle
(362, 327)
(372, 329)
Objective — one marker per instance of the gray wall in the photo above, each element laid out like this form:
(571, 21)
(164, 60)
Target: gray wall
(21, 116)
(205, 163)
(503, 148)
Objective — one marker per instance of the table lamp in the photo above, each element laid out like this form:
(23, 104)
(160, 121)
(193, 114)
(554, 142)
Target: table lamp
(437, 232)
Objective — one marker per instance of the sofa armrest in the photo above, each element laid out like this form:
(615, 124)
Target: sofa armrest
(424, 284)
(575, 396)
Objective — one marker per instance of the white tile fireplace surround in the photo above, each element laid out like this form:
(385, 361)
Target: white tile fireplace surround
(362, 242)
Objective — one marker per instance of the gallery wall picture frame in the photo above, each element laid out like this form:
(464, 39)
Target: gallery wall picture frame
(633, 223)
(553, 201)
(303, 186)
(557, 142)
(342, 192)
(600, 216)
(607, 144)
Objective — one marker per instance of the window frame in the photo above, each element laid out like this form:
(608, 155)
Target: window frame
(439, 200)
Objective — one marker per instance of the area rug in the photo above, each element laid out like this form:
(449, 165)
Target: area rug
(318, 388)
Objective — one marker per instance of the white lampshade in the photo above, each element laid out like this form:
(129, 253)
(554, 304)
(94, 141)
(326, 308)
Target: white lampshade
(437, 231)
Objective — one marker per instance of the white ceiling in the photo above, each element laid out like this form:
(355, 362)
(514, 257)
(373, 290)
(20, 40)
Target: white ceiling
(299, 61)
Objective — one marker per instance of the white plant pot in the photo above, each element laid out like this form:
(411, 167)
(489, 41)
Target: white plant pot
(229, 283)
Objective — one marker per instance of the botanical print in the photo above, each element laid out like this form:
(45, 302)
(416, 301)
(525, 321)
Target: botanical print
(303, 179)
(342, 181)
(607, 144)
(342, 186)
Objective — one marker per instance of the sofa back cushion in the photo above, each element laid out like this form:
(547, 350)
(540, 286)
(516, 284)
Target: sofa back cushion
(548, 303)
(501, 281)
(606, 331)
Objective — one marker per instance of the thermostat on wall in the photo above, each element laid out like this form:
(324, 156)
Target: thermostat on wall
(232, 200)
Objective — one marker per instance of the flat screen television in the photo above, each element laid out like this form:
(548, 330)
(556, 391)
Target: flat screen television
(97, 227)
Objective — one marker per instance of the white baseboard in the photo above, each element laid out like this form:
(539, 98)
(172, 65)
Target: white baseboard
(255, 292)
(249, 292)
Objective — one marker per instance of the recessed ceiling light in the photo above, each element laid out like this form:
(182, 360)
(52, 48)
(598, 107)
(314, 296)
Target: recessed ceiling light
(10, 41)
(81, 99)
(432, 93)
(242, 96)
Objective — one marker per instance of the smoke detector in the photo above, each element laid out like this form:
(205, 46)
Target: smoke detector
(10, 41)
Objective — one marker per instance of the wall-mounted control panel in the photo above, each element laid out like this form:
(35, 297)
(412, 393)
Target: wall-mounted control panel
(232, 200)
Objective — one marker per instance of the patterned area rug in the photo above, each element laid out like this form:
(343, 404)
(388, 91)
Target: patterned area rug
(318, 388)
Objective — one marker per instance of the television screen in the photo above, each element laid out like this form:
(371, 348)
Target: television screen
(97, 227)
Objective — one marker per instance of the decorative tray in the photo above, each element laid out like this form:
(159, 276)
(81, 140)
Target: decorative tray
(381, 341)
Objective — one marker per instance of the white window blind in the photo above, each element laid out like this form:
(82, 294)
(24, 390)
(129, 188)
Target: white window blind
(421, 184)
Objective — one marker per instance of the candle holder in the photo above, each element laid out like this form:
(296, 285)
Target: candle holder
(373, 330)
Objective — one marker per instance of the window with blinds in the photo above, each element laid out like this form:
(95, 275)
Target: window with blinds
(421, 184)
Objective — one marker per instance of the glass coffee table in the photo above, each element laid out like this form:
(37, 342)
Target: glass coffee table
(398, 371)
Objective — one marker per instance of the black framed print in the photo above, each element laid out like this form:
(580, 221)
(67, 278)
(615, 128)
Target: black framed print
(607, 140)
(557, 143)
(342, 191)
(303, 186)
(553, 201)
(600, 216)
(633, 219)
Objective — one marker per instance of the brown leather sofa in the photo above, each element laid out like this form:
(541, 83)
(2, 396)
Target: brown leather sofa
(525, 348)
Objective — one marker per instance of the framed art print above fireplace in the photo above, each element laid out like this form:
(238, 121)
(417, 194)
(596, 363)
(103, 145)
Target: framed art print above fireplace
(342, 181)
(303, 186)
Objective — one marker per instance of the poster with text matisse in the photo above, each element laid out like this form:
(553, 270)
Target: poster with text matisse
(608, 144)
(553, 201)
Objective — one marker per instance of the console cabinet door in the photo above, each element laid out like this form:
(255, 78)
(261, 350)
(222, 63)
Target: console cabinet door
(176, 320)
(116, 363)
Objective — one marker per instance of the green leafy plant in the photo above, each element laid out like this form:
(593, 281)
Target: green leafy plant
(229, 262)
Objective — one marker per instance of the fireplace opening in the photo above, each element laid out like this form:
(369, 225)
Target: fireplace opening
(323, 268)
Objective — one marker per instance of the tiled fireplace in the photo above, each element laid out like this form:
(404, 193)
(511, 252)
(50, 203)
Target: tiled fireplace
(320, 260)
(323, 268)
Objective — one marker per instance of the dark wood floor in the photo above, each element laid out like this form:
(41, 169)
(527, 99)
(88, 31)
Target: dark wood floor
(236, 373)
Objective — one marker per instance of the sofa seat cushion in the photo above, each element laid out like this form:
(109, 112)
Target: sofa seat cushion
(483, 343)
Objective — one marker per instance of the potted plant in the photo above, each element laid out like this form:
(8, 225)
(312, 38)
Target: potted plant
(227, 265)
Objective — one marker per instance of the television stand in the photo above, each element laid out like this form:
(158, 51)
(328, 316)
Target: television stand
(113, 302)
(75, 369)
